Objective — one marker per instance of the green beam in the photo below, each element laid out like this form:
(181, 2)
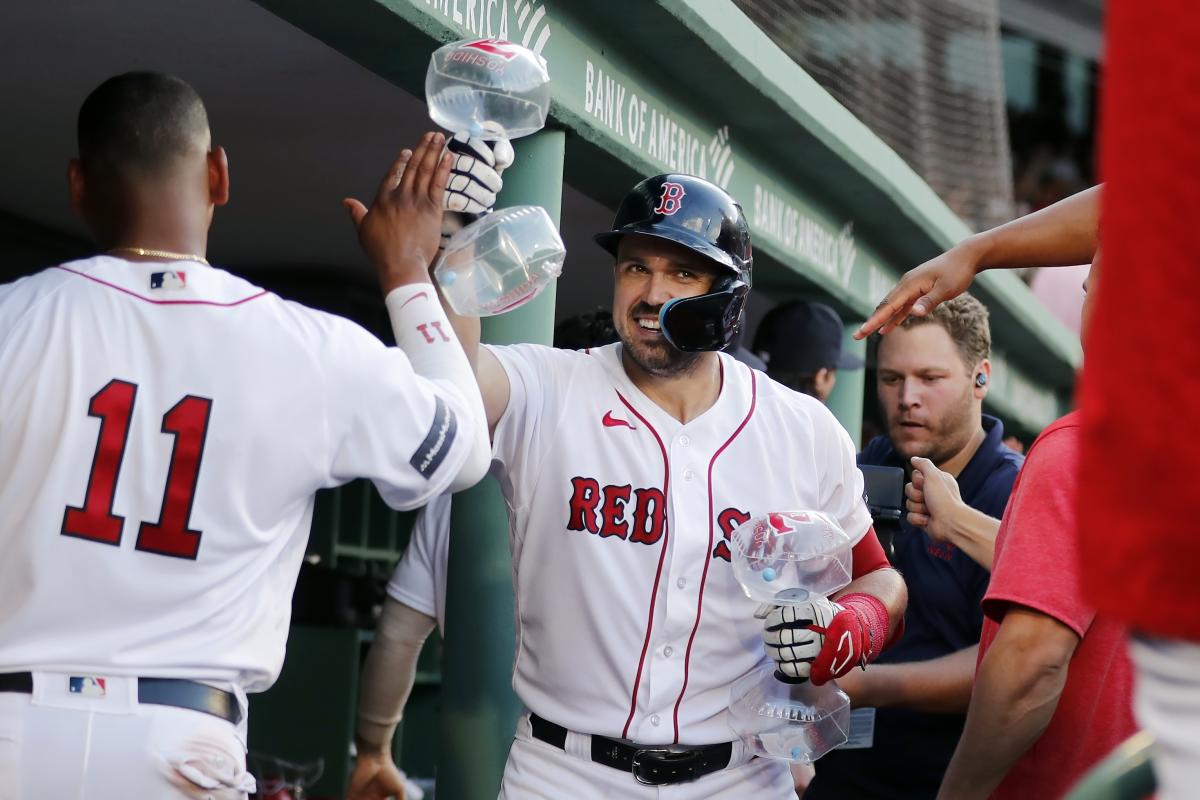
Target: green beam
(479, 709)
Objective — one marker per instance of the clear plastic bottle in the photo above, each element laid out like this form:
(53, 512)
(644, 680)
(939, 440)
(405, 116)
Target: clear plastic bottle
(784, 558)
(488, 88)
(500, 262)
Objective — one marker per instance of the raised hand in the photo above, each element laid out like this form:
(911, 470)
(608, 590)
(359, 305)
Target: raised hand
(922, 288)
(401, 230)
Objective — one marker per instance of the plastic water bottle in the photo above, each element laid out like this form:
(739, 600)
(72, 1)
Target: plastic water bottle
(500, 262)
(488, 88)
(784, 558)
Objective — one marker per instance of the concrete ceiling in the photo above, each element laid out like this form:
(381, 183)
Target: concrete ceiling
(303, 126)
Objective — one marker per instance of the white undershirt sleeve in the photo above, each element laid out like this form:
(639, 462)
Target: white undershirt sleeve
(424, 334)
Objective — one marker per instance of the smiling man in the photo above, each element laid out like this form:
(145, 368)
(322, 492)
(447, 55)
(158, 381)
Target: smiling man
(625, 468)
(932, 379)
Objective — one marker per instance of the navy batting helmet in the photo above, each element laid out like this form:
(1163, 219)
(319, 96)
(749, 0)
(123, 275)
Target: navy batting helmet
(703, 218)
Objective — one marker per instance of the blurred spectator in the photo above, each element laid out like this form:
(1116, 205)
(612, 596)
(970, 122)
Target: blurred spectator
(1014, 444)
(932, 379)
(801, 342)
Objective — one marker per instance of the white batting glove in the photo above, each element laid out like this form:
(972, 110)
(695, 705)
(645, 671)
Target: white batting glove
(475, 175)
(794, 635)
(474, 180)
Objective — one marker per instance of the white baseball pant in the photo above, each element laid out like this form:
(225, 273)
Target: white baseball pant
(540, 771)
(68, 746)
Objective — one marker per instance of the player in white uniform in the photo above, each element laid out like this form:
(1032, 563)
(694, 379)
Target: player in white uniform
(624, 469)
(166, 425)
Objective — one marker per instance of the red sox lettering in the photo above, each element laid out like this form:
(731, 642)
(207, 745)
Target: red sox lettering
(604, 511)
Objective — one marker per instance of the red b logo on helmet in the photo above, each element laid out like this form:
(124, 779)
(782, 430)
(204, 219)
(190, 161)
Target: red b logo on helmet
(670, 202)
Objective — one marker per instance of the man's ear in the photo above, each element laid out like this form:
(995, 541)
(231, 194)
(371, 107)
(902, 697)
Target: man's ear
(75, 187)
(218, 176)
(981, 387)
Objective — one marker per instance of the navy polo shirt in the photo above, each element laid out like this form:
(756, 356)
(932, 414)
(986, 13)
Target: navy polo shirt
(945, 589)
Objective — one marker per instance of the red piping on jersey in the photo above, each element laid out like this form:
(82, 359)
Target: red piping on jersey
(662, 554)
(708, 560)
(162, 302)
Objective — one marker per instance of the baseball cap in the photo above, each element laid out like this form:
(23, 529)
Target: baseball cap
(802, 336)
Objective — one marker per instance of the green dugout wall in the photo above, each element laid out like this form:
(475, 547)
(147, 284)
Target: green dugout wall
(691, 86)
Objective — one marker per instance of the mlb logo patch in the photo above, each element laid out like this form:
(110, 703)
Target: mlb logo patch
(87, 686)
(171, 279)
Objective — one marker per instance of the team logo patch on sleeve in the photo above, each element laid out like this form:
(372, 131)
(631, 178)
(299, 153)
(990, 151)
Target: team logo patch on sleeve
(170, 279)
(432, 451)
(87, 685)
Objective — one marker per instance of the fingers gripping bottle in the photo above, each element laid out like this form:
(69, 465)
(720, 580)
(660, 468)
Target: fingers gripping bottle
(780, 559)
(492, 89)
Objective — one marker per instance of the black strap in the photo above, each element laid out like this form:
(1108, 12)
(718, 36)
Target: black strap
(21, 682)
(173, 692)
(656, 766)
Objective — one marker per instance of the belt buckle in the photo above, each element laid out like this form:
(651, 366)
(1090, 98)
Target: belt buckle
(647, 759)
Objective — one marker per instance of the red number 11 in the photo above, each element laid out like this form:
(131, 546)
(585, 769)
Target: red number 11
(187, 421)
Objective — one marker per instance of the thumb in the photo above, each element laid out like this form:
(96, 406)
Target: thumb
(923, 467)
(357, 210)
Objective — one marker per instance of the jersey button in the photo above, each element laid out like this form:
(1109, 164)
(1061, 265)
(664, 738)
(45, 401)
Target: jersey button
(668, 650)
(684, 440)
(688, 474)
(682, 582)
(654, 720)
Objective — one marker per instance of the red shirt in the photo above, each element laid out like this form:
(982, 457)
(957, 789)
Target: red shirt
(1141, 385)
(1037, 566)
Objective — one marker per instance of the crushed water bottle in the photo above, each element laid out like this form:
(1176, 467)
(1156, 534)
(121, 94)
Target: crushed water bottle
(500, 262)
(784, 558)
(488, 88)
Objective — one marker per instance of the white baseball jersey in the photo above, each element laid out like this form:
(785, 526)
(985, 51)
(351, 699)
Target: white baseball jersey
(165, 427)
(419, 580)
(629, 621)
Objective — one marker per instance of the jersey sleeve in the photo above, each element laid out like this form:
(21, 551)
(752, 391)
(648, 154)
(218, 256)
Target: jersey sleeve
(530, 422)
(415, 581)
(387, 423)
(841, 481)
(1038, 553)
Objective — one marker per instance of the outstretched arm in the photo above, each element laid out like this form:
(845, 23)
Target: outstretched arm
(1058, 235)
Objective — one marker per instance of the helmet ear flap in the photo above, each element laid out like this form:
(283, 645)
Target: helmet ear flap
(708, 321)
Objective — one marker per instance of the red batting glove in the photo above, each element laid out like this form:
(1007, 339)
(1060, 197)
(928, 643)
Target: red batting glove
(853, 638)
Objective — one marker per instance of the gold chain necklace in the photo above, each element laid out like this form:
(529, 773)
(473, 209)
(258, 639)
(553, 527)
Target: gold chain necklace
(147, 252)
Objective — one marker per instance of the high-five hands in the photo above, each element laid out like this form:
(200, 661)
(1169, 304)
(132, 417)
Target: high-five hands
(401, 230)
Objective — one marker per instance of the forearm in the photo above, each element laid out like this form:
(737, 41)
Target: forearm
(974, 533)
(421, 329)
(936, 686)
(1059, 235)
(389, 672)
(888, 587)
(1015, 695)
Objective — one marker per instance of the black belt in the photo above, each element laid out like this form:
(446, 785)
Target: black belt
(653, 766)
(157, 692)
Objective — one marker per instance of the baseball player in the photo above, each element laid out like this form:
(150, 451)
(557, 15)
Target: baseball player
(166, 425)
(624, 469)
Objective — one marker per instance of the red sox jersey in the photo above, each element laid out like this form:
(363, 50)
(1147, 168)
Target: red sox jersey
(164, 429)
(629, 621)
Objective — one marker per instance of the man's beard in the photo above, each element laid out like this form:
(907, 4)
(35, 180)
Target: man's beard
(660, 359)
(947, 436)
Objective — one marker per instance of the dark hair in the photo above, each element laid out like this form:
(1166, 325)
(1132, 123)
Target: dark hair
(594, 329)
(139, 121)
(799, 381)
